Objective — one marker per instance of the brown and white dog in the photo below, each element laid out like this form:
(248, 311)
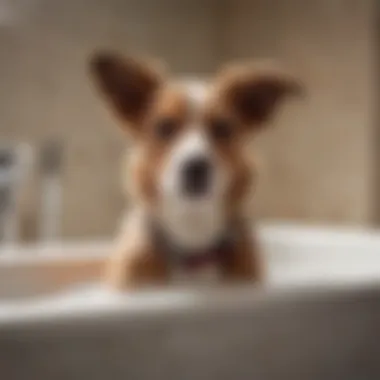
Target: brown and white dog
(191, 171)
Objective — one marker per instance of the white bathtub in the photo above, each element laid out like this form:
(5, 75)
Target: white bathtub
(317, 318)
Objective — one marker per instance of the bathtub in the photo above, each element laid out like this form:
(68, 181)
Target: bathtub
(317, 317)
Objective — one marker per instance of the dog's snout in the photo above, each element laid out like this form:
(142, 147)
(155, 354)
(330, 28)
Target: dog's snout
(196, 176)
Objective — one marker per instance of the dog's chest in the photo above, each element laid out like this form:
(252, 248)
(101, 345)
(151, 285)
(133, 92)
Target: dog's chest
(198, 266)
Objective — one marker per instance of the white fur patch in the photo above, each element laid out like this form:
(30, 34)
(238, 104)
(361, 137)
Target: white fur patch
(192, 223)
(191, 145)
(196, 92)
(197, 222)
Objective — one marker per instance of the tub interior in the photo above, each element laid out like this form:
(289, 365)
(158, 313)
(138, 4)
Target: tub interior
(294, 257)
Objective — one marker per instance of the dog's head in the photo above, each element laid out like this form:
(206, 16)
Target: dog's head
(191, 139)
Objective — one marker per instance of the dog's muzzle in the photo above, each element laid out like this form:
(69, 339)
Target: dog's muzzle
(196, 177)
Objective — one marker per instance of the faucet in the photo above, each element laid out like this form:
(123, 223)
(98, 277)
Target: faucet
(50, 210)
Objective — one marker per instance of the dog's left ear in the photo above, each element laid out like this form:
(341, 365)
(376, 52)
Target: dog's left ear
(127, 84)
(254, 93)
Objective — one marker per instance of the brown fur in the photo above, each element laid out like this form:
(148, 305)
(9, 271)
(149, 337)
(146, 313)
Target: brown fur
(172, 104)
(136, 262)
(130, 269)
(242, 97)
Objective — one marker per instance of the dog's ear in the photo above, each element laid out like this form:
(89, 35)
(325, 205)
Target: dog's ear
(254, 92)
(127, 84)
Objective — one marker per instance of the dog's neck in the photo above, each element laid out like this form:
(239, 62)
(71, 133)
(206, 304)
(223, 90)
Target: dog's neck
(191, 257)
(192, 225)
(216, 251)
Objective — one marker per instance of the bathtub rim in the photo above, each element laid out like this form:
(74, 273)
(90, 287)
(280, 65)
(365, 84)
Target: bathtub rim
(275, 232)
(221, 299)
(95, 253)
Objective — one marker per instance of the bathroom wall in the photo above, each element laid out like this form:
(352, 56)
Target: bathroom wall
(46, 93)
(316, 163)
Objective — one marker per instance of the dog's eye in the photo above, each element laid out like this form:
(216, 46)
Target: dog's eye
(165, 129)
(221, 129)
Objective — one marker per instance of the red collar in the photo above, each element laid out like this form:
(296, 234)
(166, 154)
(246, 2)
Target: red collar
(193, 260)
(201, 259)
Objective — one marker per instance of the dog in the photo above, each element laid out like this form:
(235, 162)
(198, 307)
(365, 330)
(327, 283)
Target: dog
(191, 170)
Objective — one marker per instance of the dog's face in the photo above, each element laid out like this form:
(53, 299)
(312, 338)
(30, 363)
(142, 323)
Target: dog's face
(191, 139)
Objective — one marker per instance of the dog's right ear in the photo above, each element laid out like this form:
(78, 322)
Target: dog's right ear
(127, 84)
(255, 91)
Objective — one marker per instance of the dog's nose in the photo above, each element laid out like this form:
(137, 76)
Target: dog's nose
(196, 176)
